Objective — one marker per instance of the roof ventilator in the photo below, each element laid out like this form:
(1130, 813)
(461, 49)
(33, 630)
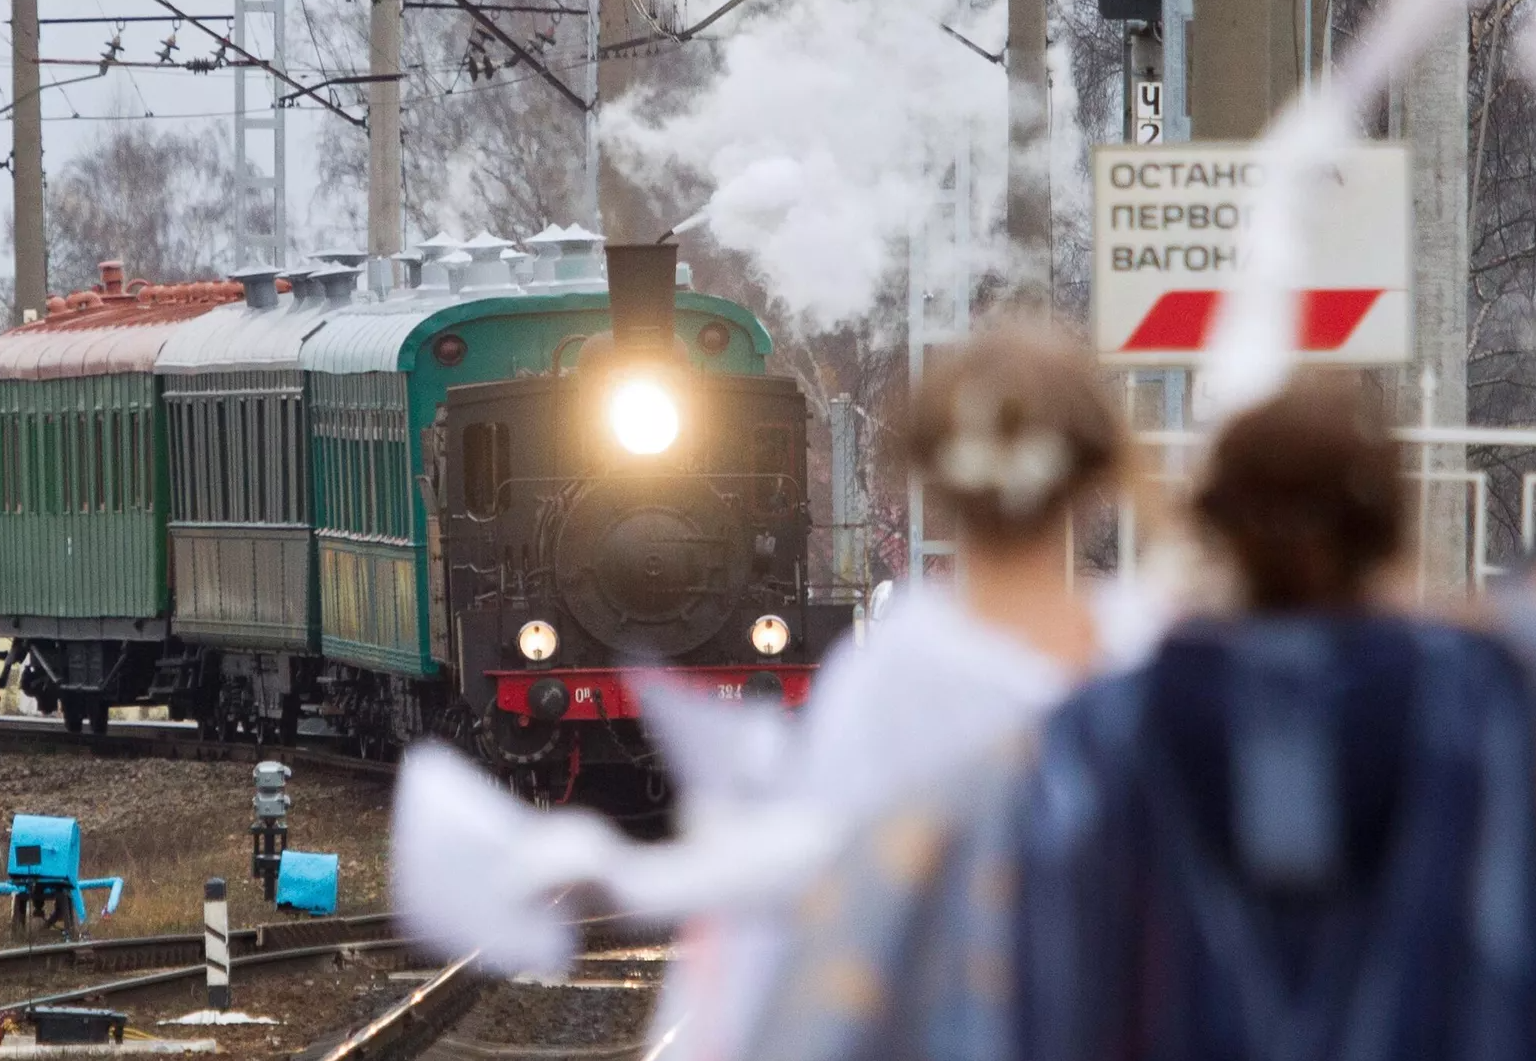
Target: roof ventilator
(487, 273)
(457, 265)
(260, 283)
(351, 259)
(434, 274)
(520, 264)
(567, 259)
(304, 288)
(410, 263)
(339, 282)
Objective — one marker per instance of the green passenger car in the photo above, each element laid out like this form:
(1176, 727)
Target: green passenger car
(83, 495)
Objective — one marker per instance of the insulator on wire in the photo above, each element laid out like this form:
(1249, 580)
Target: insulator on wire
(169, 46)
(474, 68)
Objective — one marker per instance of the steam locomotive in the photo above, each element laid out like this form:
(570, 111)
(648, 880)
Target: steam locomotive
(654, 513)
(462, 506)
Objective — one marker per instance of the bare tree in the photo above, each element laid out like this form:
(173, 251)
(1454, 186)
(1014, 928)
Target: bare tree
(158, 198)
(498, 150)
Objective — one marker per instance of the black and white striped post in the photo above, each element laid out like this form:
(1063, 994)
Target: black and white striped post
(216, 943)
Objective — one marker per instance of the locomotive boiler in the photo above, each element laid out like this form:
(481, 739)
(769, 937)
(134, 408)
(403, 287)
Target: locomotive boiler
(624, 509)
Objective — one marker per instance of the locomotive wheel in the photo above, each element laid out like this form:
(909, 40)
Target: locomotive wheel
(47, 703)
(99, 713)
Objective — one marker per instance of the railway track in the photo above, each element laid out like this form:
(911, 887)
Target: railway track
(151, 740)
(191, 974)
(419, 1022)
(159, 952)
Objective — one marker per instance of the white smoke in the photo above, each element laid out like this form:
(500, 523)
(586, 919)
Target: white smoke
(824, 133)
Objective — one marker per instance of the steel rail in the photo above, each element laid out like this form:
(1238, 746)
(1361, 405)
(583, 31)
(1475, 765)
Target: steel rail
(420, 1018)
(140, 952)
(193, 972)
(415, 1016)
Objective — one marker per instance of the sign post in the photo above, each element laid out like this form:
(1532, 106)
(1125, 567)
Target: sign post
(1171, 236)
(216, 943)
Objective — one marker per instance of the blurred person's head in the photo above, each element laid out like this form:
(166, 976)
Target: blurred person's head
(1009, 430)
(1305, 494)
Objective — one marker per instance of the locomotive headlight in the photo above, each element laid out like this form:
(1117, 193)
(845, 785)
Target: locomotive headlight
(643, 416)
(537, 641)
(770, 635)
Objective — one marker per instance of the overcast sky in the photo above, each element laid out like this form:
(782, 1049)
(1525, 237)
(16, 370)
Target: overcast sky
(73, 116)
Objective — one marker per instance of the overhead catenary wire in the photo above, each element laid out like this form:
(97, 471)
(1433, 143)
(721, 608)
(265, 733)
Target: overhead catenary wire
(268, 67)
(523, 54)
(134, 81)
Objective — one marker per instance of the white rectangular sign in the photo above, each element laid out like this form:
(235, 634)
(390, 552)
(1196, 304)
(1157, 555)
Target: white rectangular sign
(1171, 231)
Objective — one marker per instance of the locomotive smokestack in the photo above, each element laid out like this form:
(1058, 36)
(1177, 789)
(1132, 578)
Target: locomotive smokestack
(642, 280)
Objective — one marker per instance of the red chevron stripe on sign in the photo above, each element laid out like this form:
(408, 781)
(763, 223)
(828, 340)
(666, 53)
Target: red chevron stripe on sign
(1182, 320)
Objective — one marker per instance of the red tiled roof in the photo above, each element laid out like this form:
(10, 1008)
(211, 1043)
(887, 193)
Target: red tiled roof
(89, 334)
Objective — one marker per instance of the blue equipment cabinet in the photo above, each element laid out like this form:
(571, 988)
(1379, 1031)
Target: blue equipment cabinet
(307, 882)
(44, 866)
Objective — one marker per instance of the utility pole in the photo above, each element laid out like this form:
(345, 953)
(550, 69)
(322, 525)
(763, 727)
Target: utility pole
(1434, 118)
(27, 164)
(1246, 65)
(623, 213)
(384, 221)
(1029, 184)
(594, 159)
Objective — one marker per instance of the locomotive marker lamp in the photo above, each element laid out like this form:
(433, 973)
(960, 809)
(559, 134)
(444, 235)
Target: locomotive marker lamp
(537, 641)
(770, 635)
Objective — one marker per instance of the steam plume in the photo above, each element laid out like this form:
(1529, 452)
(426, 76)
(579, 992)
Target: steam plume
(822, 136)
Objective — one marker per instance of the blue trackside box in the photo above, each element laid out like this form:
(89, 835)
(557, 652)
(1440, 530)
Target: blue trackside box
(44, 849)
(307, 882)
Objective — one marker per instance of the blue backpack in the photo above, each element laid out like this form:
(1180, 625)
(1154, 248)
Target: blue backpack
(1285, 840)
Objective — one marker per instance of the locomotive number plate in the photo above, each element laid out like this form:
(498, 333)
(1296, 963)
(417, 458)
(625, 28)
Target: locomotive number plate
(728, 691)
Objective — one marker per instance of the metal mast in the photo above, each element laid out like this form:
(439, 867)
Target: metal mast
(261, 202)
